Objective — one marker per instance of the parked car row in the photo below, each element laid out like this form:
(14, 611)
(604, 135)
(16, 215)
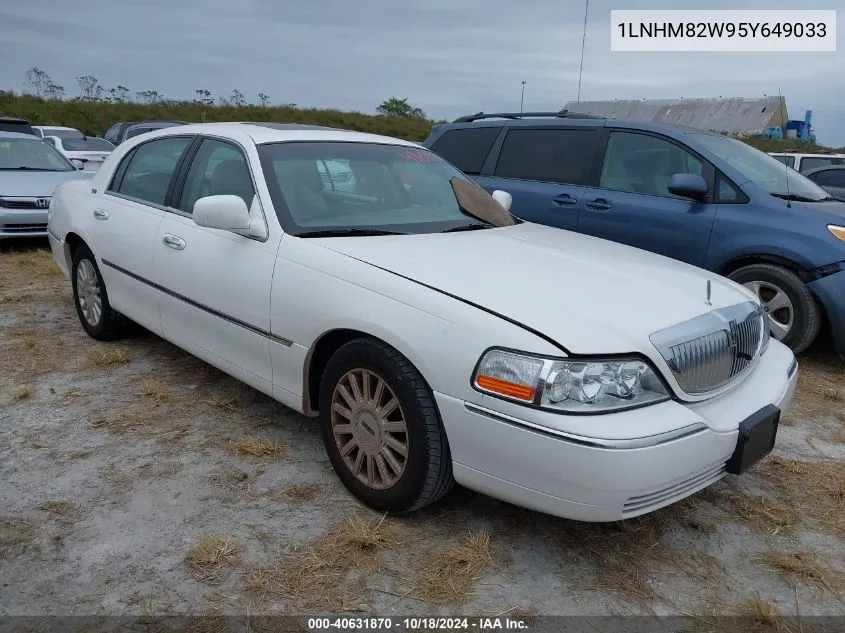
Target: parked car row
(436, 337)
(698, 197)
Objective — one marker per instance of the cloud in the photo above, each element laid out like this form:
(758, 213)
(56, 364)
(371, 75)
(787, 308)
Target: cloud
(448, 57)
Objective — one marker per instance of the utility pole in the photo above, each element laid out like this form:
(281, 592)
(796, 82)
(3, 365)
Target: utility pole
(522, 99)
(583, 42)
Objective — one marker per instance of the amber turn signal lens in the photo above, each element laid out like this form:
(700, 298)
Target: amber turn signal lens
(838, 231)
(505, 388)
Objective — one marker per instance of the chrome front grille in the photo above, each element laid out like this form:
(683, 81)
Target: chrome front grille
(713, 349)
(21, 202)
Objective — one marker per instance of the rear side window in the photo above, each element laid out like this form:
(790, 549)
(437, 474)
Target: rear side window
(811, 162)
(466, 148)
(829, 178)
(786, 160)
(150, 169)
(548, 155)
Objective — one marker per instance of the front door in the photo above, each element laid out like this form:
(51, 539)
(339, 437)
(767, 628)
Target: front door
(216, 299)
(544, 169)
(632, 204)
(124, 224)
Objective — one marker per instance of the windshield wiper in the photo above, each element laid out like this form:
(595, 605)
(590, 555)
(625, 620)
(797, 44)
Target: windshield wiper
(799, 198)
(22, 168)
(468, 227)
(357, 232)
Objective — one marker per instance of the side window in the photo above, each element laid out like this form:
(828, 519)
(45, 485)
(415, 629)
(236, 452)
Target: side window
(466, 148)
(639, 163)
(829, 177)
(149, 170)
(548, 155)
(727, 192)
(111, 134)
(218, 168)
(811, 162)
(789, 161)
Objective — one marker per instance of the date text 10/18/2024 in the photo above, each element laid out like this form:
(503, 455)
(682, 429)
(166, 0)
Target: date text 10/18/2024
(417, 624)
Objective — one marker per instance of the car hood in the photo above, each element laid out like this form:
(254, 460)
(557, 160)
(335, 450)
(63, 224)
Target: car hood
(590, 295)
(38, 184)
(834, 207)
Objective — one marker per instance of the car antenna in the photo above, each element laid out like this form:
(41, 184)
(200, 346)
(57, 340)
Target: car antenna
(785, 166)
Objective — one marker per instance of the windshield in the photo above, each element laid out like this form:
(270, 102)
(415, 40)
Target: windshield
(87, 145)
(31, 154)
(765, 171)
(324, 188)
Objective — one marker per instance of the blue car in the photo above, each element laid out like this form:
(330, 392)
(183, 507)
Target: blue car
(699, 197)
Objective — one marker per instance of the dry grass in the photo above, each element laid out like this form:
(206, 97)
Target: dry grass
(225, 402)
(316, 576)
(16, 533)
(766, 516)
(815, 490)
(804, 566)
(209, 561)
(258, 448)
(32, 353)
(59, 507)
(106, 359)
(153, 389)
(118, 422)
(22, 394)
(820, 390)
(451, 577)
(302, 492)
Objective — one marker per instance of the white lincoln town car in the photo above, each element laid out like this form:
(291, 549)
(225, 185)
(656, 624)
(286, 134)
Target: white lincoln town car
(436, 338)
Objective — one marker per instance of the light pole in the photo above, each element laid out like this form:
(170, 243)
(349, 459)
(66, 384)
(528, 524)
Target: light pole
(583, 42)
(522, 98)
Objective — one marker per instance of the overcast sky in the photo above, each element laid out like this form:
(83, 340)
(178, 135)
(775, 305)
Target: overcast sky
(449, 57)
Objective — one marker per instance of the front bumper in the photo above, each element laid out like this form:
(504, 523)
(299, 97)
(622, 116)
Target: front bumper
(595, 479)
(22, 223)
(830, 291)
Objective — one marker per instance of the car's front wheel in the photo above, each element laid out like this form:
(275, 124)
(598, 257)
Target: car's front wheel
(794, 315)
(382, 429)
(99, 320)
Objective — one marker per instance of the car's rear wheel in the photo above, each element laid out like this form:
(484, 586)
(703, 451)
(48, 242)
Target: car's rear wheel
(382, 429)
(794, 315)
(98, 318)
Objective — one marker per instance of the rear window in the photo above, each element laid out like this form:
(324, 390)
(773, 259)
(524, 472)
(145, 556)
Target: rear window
(466, 148)
(811, 162)
(87, 145)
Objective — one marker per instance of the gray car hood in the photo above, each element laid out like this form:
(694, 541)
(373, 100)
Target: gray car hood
(37, 184)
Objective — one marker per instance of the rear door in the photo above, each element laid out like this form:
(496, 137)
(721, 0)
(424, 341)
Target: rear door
(632, 204)
(124, 224)
(545, 169)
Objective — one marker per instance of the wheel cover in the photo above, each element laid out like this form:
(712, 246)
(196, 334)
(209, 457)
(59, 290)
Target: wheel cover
(88, 292)
(777, 304)
(369, 428)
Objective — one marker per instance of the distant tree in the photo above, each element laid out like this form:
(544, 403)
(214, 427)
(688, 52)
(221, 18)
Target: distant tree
(205, 97)
(54, 92)
(119, 94)
(237, 99)
(264, 99)
(397, 107)
(149, 96)
(90, 88)
(38, 80)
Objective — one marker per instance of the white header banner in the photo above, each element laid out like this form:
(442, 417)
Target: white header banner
(723, 31)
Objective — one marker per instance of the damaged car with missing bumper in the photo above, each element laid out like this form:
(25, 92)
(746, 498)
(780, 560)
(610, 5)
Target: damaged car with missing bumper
(435, 338)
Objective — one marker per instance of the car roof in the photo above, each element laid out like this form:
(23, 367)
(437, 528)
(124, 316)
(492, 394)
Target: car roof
(262, 133)
(6, 134)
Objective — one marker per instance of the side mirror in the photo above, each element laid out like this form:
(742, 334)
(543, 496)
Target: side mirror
(77, 163)
(503, 198)
(227, 213)
(688, 186)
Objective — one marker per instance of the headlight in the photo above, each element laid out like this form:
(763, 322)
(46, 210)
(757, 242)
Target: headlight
(838, 231)
(572, 384)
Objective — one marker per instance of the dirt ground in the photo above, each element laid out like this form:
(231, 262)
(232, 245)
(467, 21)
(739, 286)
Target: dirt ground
(135, 479)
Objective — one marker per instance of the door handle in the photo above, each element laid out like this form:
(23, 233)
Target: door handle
(564, 198)
(173, 241)
(599, 204)
(101, 214)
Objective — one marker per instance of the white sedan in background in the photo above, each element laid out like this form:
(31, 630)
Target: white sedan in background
(90, 151)
(437, 339)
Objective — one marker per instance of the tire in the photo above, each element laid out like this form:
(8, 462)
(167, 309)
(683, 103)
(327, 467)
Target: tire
(769, 279)
(427, 471)
(111, 324)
